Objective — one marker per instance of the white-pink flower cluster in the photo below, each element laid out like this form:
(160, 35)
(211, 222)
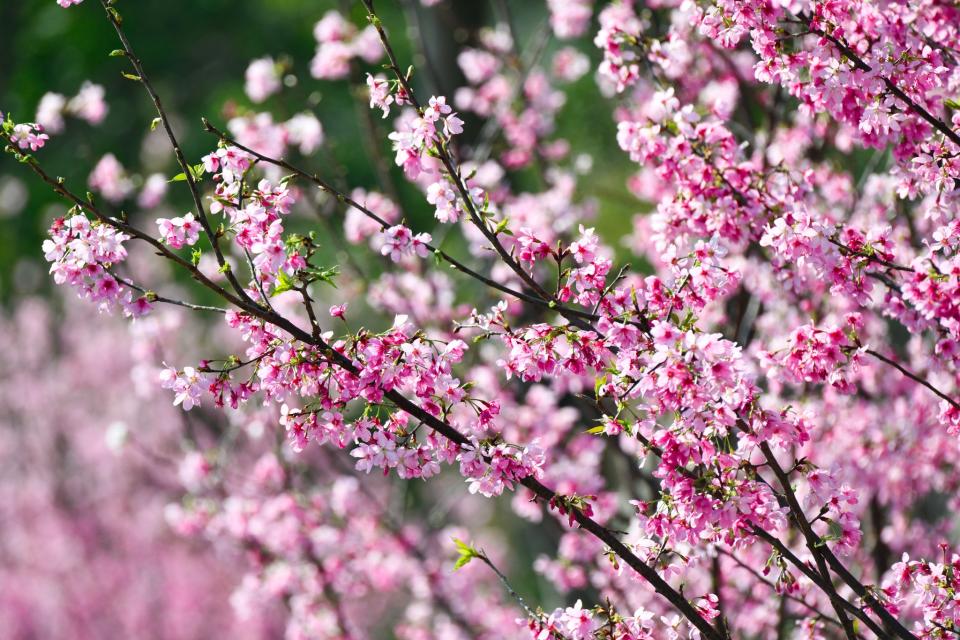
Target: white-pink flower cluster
(338, 43)
(82, 255)
(179, 231)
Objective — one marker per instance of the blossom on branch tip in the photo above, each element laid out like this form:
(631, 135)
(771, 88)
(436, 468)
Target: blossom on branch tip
(28, 136)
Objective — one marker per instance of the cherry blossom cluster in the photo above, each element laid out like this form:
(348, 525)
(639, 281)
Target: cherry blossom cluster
(255, 216)
(570, 18)
(618, 39)
(338, 43)
(260, 132)
(735, 439)
(331, 552)
(930, 588)
(88, 105)
(82, 254)
(262, 79)
(28, 136)
(399, 242)
(179, 231)
(821, 354)
(422, 133)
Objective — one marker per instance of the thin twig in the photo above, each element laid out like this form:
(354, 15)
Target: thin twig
(114, 17)
(909, 374)
(154, 297)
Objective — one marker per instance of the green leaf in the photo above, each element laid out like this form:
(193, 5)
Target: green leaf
(834, 530)
(117, 53)
(596, 430)
(467, 553)
(293, 240)
(180, 177)
(324, 275)
(953, 104)
(154, 123)
(598, 383)
(284, 283)
(131, 76)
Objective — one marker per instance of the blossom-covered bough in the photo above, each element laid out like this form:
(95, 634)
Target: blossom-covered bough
(739, 444)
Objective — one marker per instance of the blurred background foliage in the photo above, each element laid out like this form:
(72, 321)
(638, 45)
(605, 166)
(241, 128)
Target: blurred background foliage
(195, 54)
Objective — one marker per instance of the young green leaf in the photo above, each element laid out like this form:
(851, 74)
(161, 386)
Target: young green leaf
(284, 283)
(467, 553)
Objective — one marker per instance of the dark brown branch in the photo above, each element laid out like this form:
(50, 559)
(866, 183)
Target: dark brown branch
(760, 578)
(823, 555)
(813, 541)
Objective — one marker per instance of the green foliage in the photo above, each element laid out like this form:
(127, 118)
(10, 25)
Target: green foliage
(196, 170)
(466, 554)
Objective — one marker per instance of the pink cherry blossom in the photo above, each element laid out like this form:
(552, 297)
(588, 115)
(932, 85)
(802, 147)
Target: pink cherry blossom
(180, 231)
(262, 79)
(29, 136)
